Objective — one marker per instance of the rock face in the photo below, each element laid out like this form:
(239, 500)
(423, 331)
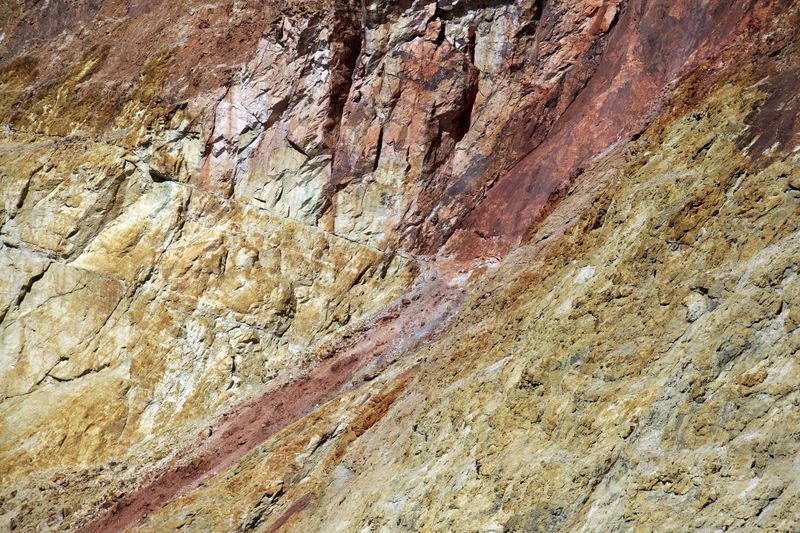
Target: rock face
(422, 265)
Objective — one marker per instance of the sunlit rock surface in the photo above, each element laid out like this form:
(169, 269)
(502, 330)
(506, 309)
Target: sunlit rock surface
(399, 266)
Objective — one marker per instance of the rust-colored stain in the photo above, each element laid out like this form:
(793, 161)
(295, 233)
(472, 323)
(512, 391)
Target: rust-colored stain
(251, 423)
(296, 507)
(651, 45)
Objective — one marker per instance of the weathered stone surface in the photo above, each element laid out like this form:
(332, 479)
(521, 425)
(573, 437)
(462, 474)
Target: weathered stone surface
(419, 265)
(636, 371)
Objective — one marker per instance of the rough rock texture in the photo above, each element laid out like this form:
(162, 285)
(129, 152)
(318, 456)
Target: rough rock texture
(501, 265)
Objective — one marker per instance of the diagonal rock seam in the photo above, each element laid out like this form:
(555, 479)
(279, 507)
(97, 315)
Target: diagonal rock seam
(483, 265)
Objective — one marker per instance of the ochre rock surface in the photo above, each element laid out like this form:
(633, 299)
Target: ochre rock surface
(454, 265)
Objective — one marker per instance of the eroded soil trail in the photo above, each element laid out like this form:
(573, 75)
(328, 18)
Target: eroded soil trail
(423, 312)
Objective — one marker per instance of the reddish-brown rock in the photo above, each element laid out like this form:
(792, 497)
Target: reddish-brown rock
(422, 265)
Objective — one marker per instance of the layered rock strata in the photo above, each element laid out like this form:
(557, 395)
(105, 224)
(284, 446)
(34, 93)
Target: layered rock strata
(453, 265)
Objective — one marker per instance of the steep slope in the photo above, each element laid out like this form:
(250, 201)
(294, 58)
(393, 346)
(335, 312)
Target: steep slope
(636, 371)
(510, 265)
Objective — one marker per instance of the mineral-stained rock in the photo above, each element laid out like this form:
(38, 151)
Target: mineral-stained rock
(423, 265)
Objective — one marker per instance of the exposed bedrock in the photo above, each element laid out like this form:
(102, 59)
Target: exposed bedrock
(488, 265)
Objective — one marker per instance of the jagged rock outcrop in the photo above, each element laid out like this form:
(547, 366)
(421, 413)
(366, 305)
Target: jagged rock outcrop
(424, 265)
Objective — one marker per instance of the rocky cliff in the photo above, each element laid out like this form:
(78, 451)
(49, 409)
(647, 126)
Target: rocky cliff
(466, 265)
